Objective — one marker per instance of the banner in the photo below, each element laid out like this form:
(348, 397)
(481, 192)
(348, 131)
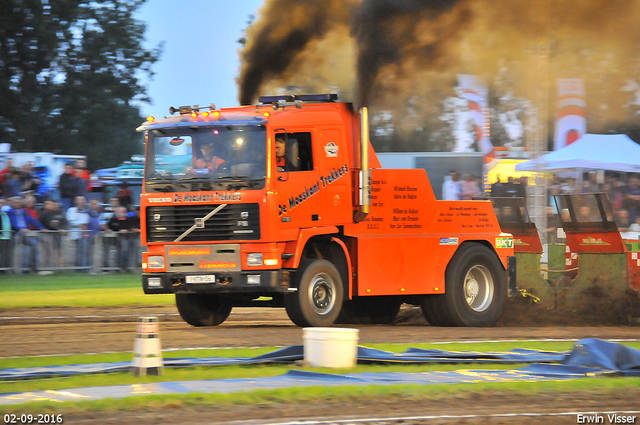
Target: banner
(571, 121)
(475, 92)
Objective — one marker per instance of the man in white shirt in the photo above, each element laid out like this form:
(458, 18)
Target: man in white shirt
(78, 218)
(109, 240)
(451, 188)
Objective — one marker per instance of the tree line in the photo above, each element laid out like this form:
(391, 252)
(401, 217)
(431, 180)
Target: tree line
(70, 77)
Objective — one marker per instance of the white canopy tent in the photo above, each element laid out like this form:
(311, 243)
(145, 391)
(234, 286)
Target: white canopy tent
(614, 152)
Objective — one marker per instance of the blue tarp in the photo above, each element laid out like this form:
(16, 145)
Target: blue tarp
(296, 353)
(590, 357)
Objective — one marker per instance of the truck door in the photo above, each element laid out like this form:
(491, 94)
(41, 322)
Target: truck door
(297, 182)
(335, 181)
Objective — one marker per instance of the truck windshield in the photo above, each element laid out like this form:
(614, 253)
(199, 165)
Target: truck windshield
(219, 157)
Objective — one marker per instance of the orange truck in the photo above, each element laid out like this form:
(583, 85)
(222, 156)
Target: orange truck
(285, 204)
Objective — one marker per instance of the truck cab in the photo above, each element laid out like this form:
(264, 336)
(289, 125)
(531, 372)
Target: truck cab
(284, 204)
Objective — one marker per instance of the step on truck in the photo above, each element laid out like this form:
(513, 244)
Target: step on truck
(285, 204)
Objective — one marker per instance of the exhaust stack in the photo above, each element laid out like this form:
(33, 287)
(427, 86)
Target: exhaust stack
(364, 184)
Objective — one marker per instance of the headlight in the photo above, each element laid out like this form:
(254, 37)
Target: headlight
(156, 262)
(254, 259)
(253, 279)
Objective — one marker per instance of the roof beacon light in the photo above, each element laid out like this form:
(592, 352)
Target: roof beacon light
(150, 119)
(276, 99)
(287, 98)
(324, 97)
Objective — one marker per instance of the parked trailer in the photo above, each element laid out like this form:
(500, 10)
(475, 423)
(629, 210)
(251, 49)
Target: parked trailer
(324, 231)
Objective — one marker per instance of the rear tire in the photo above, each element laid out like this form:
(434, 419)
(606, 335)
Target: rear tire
(202, 309)
(475, 290)
(318, 300)
(434, 310)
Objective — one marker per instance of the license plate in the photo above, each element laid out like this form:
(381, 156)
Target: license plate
(209, 278)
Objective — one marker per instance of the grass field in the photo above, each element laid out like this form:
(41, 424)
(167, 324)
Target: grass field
(71, 290)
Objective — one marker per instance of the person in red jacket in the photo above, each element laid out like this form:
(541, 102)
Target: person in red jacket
(209, 159)
(4, 175)
(81, 171)
(30, 208)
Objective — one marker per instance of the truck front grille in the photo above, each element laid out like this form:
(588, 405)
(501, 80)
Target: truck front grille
(231, 223)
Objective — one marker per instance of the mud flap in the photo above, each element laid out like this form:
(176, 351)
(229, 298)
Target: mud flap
(511, 273)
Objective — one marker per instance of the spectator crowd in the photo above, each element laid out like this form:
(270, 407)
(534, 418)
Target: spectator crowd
(623, 193)
(45, 233)
(622, 189)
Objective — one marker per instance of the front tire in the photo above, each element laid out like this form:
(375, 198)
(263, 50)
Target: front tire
(475, 290)
(202, 309)
(318, 300)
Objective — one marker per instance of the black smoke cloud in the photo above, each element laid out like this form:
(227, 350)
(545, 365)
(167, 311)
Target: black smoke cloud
(387, 33)
(391, 49)
(284, 30)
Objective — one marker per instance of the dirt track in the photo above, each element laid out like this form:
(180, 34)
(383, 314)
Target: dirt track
(80, 330)
(26, 332)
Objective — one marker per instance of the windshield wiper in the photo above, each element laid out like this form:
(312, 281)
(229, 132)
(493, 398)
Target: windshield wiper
(195, 179)
(238, 182)
(161, 180)
(237, 178)
(154, 181)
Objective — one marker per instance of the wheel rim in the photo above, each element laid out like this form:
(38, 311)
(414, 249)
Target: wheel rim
(478, 288)
(322, 293)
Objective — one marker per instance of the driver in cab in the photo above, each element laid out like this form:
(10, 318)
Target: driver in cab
(282, 160)
(209, 160)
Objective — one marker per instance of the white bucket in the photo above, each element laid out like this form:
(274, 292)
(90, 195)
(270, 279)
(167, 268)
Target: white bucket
(330, 347)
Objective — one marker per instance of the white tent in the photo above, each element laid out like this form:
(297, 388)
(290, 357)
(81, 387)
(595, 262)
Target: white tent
(615, 152)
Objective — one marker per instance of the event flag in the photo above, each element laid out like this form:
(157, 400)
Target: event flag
(571, 121)
(475, 92)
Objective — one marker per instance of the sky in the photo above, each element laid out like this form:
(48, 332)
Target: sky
(199, 62)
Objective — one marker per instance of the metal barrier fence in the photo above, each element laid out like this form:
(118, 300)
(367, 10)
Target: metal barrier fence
(39, 251)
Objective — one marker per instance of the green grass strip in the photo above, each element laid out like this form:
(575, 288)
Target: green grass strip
(65, 281)
(407, 393)
(89, 297)
(76, 290)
